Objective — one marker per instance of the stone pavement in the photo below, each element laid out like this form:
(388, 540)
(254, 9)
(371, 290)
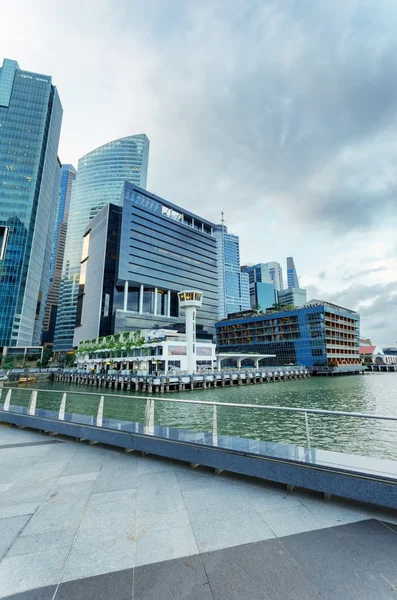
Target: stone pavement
(89, 522)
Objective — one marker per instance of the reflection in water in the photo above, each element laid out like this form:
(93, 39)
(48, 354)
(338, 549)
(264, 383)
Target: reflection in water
(374, 393)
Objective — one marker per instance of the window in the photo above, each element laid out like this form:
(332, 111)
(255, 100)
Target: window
(3, 241)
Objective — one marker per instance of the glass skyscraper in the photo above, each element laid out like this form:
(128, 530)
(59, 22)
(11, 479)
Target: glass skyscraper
(292, 277)
(234, 295)
(30, 124)
(100, 179)
(68, 176)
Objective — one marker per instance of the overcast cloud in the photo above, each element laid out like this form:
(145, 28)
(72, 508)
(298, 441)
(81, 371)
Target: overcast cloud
(281, 113)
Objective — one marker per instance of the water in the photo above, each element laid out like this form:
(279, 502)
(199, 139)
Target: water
(374, 393)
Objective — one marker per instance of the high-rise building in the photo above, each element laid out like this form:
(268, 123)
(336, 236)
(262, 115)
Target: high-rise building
(292, 297)
(233, 284)
(68, 176)
(275, 274)
(292, 277)
(136, 258)
(100, 180)
(319, 334)
(261, 286)
(30, 125)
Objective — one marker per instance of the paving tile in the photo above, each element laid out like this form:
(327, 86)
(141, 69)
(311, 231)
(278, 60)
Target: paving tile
(153, 482)
(18, 509)
(81, 467)
(391, 526)
(77, 478)
(31, 544)
(217, 495)
(9, 531)
(57, 513)
(29, 571)
(333, 569)
(128, 495)
(182, 578)
(291, 520)
(22, 496)
(154, 521)
(262, 570)
(111, 586)
(262, 500)
(94, 555)
(375, 543)
(155, 465)
(43, 593)
(334, 513)
(108, 481)
(222, 525)
(162, 501)
(165, 544)
(5, 486)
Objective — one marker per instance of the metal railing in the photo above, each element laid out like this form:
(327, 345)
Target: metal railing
(151, 401)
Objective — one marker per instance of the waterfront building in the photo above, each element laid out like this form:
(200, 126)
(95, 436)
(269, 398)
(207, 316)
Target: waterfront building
(234, 294)
(68, 176)
(136, 258)
(292, 297)
(100, 180)
(144, 352)
(30, 125)
(319, 334)
(292, 277)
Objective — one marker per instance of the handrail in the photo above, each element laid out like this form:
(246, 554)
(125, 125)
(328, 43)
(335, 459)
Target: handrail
(229, 404)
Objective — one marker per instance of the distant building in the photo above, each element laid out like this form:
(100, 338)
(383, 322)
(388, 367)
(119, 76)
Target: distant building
(319, 334)
(234, 294)
(100, 180)
(292, 277)
(275, 274)
(68, 176)
(135, 259)
(261, 286)
(292, 296)
(30, 125)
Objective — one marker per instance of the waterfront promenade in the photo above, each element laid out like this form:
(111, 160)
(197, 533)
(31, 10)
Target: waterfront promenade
(80, 521)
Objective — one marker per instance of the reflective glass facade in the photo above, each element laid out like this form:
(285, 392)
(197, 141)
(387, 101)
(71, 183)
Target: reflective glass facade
(100, 179)
(292, 277)
(68, 176)
(233, 284)
(30, 124)
(136, 260)
(317, 335)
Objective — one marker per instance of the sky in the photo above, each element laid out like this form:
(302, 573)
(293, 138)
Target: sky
(281, 113)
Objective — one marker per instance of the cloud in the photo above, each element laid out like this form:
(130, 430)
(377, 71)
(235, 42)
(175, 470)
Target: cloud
(282, 114)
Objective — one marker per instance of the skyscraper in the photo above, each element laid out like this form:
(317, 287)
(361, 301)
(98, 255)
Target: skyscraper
(276, 274)
(68, 176)
(233, 284)
(100, 179)
(261, 286)
(30, 125)
(292, 277)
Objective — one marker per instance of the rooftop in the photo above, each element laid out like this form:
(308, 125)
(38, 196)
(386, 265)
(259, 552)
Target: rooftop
(80, 521)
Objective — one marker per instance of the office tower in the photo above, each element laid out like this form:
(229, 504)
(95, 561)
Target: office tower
(68, 176)
(292, 277)
(136, 258)
(30, 125)
(319, 334)
(233, 284)
(261, 286)
(276, 274)
(100, 178)
(292, 297)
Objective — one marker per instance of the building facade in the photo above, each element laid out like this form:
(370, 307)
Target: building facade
(135, 260)
(275, 274)
(144, 352)
(292, 297)
(234, 295)
(30, 125)
(319, 334)
(292, 277)
(68, 176)
(261, 286)
(100, 179)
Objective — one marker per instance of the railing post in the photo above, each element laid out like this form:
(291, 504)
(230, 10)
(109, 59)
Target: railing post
(7, 401)
(307, 431)
(215, 426)
(61, 414)
(32, 403)
(149, 416)
(99, 417)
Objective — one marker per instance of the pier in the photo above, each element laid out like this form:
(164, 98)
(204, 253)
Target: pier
(180, 383)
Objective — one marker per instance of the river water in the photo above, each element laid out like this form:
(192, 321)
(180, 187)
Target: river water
(372, 393)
